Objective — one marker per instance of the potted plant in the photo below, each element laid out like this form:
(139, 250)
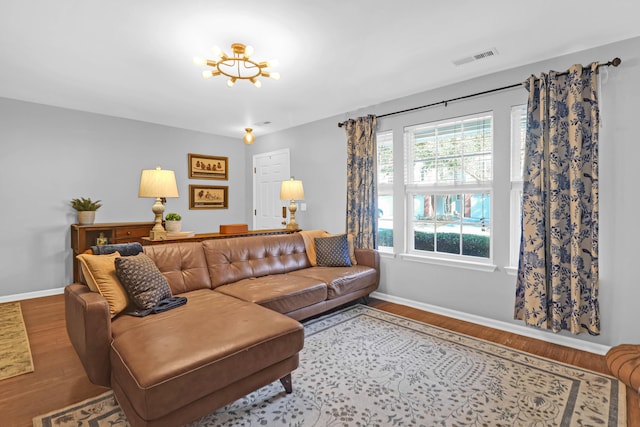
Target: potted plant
(86, 209)
(172, 222)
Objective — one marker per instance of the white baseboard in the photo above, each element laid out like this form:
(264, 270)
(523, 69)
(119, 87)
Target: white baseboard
(497, 324)
(35, 294)
(484, 321)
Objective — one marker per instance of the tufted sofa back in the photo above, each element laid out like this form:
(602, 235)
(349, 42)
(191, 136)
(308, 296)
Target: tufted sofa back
(230, 260)
(183, 264)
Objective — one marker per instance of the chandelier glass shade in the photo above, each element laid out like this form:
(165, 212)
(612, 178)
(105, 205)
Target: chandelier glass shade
(248, 138)
(238, 66)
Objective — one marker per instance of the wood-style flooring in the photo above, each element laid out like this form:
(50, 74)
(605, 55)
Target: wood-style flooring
(59, 379)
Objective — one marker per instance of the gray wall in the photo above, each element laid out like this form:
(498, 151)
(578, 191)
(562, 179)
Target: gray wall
(319, 159)
(50, 155)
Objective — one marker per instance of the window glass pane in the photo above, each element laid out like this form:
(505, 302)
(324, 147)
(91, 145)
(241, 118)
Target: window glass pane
(448, 227)
(444, 158)
(476, 224)
(452, 223)
(450, 152)
(424, 155)
(385, 157)
(385, 188)
(518, 134)
(385, 220)
(424, 223)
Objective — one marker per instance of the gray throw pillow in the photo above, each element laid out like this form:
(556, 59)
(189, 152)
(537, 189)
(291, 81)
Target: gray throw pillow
(332, 251)
(142, 279)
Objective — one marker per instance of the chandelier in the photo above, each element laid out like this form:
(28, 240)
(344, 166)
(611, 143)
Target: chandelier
(248, 138)
(239, 66)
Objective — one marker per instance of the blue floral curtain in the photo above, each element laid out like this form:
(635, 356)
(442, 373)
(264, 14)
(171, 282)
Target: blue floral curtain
(557, 284)
(362, 202)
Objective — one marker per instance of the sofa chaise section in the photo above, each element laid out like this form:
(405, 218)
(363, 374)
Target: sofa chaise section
(165, 367)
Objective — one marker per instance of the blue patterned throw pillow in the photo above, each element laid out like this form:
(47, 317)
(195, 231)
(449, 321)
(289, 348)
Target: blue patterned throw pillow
(144, 283)
(332, 251)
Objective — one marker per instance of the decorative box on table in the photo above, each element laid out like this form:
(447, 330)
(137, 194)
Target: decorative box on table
(233, 228)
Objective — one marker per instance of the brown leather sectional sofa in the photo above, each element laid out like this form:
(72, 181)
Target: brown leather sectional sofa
(237, 332)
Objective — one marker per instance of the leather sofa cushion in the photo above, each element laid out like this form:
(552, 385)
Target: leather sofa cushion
(340, 280)
(193, 350)
(281, 292)
(231, 260)
(183, 265)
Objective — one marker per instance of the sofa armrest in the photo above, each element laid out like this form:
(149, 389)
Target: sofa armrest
(89, 328)
(370, 258)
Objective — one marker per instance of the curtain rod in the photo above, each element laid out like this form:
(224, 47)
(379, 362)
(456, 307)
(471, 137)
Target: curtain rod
(615, 62)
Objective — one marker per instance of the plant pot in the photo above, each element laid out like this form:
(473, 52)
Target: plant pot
(172, 226)
(86, 217)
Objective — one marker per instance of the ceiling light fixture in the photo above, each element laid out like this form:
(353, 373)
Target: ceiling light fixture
(239, 66)
(249, 138)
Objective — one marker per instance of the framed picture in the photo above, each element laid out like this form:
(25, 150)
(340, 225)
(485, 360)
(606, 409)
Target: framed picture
(208, 167)
(208, 197)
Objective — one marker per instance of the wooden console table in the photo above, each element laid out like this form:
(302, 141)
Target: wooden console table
(207, 236)
(84, 236)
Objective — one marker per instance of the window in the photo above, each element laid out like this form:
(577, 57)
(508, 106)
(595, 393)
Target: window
(385, 189)
(449, 182)
(518, 133)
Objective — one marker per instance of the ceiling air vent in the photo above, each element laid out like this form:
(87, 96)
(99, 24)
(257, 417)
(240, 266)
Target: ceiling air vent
(475, 57)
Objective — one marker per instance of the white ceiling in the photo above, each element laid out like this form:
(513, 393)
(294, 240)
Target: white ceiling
(133, 58)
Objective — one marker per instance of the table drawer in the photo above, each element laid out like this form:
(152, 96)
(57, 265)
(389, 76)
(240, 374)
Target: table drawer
(124, 234)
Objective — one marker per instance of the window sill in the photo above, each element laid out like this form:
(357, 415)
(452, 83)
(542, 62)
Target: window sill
(386, 253)
(469, 265)
(511, 271)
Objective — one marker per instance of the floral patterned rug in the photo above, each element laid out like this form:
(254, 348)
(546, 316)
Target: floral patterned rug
(364, 367)
(15, 352)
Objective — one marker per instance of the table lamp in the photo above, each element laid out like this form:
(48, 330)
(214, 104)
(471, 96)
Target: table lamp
(292, 190)
(160, 184)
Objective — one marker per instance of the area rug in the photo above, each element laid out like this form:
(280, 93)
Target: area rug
(15, 353)
(365, 367)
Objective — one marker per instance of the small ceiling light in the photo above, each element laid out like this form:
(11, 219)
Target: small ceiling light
(238, 66)
(249, 138)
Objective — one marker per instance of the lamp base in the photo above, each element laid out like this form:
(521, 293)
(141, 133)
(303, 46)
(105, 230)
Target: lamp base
(292, 225)
(158, 232)
(158, 235)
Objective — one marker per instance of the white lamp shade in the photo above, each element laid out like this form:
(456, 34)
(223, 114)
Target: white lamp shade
(158, 183)
(291, 190)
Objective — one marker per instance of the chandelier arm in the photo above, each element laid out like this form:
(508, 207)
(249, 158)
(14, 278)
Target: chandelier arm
(233, 66)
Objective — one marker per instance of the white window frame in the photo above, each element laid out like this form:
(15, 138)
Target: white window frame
(411, 189)
(385, 188)
(517, 147)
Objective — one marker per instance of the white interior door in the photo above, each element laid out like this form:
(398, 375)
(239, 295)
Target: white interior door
(269, 170)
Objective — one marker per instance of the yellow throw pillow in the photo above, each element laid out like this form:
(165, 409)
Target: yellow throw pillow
(100, 273)
(309, 243)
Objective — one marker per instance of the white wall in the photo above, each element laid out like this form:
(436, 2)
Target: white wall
(50, 155)
(319, 159)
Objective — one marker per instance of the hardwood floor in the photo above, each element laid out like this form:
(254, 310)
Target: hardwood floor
(59, 379)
